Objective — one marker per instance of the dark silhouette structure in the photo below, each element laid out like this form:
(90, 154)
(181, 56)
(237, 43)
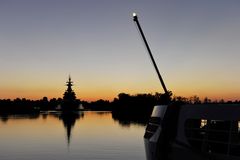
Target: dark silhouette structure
(69, 98)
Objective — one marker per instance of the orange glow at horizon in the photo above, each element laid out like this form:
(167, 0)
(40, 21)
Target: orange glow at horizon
(92, 90)
(108, 94)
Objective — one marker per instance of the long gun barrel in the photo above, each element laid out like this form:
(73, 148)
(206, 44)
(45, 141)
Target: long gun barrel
(135, 19)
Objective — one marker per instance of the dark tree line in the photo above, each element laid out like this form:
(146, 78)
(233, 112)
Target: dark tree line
(124, 104)
(126, 108)
(138, 108)
(26, 105)
(196, 100)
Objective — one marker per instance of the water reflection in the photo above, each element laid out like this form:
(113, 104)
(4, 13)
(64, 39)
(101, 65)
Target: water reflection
(69, 120)
(77, 135)
(5, 117)
(126, 120)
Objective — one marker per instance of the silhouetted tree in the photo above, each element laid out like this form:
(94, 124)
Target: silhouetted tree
(195, 100)
(206, 100)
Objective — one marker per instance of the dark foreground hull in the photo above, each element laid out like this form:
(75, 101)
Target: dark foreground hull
(199, 132)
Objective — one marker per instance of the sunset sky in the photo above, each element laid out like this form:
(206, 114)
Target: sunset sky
(196, 44)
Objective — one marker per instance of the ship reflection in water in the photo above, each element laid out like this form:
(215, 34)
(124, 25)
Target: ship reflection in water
(69, 120)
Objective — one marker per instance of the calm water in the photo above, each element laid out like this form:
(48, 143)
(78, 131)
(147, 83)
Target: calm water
(83, 136)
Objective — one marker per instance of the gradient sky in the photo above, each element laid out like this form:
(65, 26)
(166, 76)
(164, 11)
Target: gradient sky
(196, 44)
